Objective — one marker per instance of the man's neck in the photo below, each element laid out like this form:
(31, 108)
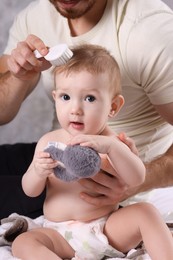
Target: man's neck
(85, 23)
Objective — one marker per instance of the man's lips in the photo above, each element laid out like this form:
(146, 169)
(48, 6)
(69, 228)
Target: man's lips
(70, 3)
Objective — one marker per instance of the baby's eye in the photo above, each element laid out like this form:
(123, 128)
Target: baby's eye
(90, 98)
(65, 97)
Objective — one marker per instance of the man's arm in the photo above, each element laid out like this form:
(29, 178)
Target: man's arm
(19, 75)
(160, 170)
(159, 173)
(12, 92)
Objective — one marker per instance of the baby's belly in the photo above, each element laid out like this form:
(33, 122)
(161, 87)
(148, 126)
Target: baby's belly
(63, 208)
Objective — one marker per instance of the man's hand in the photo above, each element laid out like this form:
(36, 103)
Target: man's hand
(129, 142)
(110, 189)
(22, 62)
(20, 73)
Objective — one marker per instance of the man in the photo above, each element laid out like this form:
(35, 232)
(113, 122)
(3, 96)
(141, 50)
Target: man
(140, 36)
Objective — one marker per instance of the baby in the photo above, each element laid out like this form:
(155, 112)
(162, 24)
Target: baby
(87, 93)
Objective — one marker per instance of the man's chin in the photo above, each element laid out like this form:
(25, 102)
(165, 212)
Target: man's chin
(68, 13)
(72, 9)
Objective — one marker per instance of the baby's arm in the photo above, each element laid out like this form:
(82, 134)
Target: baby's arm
(127, 165)
(34, 180)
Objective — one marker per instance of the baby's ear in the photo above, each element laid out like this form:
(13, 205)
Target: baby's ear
(117, 103)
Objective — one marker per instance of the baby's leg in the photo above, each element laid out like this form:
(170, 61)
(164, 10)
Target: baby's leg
(128, 226)
(41, 244)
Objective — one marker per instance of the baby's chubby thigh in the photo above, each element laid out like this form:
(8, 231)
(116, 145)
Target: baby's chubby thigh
(41, 244)
(122, 228)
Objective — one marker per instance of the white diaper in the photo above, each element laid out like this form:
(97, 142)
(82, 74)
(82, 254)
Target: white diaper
(86, 238)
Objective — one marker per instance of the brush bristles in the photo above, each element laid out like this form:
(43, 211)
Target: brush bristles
(63, 58)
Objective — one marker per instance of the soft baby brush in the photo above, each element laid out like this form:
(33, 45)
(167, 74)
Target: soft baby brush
(57, 55)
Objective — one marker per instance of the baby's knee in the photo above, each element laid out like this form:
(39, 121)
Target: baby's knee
(147, 208)
(145, 205)
(19, 243)
(24, 243)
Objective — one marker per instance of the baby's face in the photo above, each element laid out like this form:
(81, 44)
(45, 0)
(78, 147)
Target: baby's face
(83, 102)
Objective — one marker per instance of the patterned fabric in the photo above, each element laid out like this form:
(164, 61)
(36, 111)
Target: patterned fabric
(86, 238)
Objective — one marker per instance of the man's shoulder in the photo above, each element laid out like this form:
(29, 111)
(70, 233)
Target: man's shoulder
(144, 8)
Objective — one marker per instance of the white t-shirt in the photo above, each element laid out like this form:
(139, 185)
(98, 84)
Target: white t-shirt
(139, 34)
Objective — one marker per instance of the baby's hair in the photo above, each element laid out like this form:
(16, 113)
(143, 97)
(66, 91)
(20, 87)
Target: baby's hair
(94, 59)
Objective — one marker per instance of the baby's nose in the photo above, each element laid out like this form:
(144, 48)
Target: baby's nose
(76, 108)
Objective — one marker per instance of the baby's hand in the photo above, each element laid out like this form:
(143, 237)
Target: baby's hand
(99, 143)
(44, 164)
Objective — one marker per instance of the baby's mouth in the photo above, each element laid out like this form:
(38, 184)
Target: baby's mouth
(77, 125)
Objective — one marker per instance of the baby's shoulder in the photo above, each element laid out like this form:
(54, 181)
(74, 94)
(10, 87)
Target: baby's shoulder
(58, 135)
(109, 132)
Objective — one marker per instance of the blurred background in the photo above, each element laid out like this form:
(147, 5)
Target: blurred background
(35, 116)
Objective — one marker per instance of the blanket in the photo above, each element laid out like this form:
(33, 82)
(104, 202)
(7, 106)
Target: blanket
(5, 254)
(15, 224)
